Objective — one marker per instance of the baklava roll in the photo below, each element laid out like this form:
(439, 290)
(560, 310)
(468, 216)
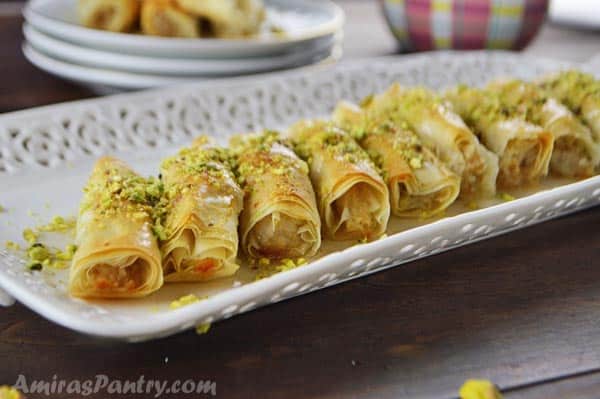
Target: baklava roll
(118, 254)
(445, 133)
(280, 217)
(580, 92)
(420, 185)
(164, 18)
(111, 15)
(575, 153)
(226, 18)
(200, 208)
(353, 199)
(524, 149)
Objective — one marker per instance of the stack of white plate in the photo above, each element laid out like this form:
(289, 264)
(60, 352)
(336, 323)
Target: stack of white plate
(57, 44)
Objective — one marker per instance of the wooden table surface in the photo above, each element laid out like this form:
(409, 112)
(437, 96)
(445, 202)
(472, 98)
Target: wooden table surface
(522, 310)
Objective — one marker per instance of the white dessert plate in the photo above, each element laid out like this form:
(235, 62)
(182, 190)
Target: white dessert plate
(302, 20)
(46, 155)
(83, 56)
(576, 13)
(122, 80)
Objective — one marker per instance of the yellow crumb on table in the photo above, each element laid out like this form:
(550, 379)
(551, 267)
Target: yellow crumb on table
(7, 392)
(479, 389)
(202, 328)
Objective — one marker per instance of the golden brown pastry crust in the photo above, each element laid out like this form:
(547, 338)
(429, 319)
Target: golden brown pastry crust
(111, 15)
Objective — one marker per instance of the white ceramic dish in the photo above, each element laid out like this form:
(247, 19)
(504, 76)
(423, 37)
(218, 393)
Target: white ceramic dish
(121, 80)
(47, 153)
(78, 55)
(303, 21)
(97, 76)
(577, 13)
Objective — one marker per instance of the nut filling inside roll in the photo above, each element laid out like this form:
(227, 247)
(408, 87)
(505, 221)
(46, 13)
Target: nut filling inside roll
(356, 210)
(353, 198)
(570, 155)
(117, 275)
(517, 164)
(279, 235)
(280, 217)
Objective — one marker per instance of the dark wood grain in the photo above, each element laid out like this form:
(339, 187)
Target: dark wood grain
(517, 309)
(582, 386)
(21, 84)
(521, 309)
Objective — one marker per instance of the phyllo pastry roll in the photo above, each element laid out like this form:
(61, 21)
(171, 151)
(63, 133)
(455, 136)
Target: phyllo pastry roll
(200, 208)
(580, 92)
(164, 18)
(118, 254)
(524, 149)
(444, 132)
(226, 18)
(111, 15)
(575, 153)
(420, 185)
(353, 198)
(280, 217)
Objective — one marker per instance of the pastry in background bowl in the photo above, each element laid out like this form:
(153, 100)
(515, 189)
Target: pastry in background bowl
(164, 18)
(111, 15)
(175, 18)
(226, 18)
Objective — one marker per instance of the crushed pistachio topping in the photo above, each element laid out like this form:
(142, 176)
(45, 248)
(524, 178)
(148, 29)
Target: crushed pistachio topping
(412, 98)
(30, 236)
(122, 191)
(58, 224)
(385, 117)
(38, 253)
(202, 328)
(181, 174)
(572, 88)
(184, 301)
(480, 107)
(523, 99)
(325, 136)
(479, 389)
(257, 155)
(40, 256)
(506, 197)
(11, 245)
(264, 262)
(404, 141)
(367, 101)
(198, 159)
(473, 205)
(270, 269)
(68, 252)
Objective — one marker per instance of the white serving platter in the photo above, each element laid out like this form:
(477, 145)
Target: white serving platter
(177, 67)
(302, 20)
(46, 155)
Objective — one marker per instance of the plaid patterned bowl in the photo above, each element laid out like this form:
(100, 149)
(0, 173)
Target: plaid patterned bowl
(421, 25)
